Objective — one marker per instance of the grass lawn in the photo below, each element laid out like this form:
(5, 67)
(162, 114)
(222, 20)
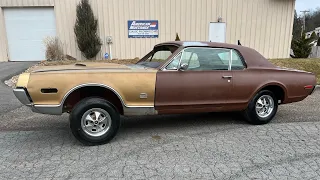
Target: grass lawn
(310, 65)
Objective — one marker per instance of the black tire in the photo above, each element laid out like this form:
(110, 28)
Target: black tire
(252, 116)
(84, 106)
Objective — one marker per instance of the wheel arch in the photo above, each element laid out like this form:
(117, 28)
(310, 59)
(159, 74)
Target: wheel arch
(116, 99)
(274, 87)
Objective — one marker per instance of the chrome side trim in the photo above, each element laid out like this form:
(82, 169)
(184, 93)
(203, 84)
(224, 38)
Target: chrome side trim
(47, 109)
(230, 61)
(127, 111)
(165, 65)
(87, 69)
(22, 96)
(92, 84)
(100, 85)
(139, 111)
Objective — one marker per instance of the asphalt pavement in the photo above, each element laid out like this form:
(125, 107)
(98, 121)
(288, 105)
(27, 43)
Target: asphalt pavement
(198, 146)
(195, 146)
(7, 70)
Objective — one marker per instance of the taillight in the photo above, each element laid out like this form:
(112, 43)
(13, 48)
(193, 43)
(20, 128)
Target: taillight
(308, 87)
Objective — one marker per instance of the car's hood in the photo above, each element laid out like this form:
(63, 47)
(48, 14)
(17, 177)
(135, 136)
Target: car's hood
(88, 66)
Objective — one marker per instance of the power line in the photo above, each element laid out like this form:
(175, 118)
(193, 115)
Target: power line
(304, 19)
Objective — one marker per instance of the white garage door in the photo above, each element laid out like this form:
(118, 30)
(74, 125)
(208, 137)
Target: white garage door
(26, 28)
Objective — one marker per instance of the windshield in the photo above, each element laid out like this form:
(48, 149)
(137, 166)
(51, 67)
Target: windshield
(158, 56)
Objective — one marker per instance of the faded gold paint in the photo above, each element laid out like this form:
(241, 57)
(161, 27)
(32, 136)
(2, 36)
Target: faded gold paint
(23, 80)
(83, 66)
(129, 83)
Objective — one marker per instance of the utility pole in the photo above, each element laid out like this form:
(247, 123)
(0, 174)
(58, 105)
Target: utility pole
(304, 19)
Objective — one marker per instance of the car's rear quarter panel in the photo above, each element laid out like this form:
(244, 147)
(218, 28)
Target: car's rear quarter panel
(249, 81)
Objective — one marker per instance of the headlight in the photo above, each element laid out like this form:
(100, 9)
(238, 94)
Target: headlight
(23, 80)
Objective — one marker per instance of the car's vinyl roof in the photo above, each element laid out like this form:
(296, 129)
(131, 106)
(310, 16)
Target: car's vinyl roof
(251, 56)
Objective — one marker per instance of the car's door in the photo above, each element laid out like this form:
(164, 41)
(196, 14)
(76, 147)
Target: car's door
(244, 81)
(203, 87)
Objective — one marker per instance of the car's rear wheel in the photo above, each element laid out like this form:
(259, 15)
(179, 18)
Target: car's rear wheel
(262, 108)
(94, 121)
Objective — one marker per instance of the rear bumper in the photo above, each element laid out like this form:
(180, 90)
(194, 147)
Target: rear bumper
(24, 97)
(317, 87)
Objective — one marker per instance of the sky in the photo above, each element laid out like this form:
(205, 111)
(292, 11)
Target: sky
(302, 5)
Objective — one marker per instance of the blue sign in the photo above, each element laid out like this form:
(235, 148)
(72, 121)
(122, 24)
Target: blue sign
(143, 29)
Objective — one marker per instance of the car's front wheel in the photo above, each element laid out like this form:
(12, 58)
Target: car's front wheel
(262, 108)
(94, 121)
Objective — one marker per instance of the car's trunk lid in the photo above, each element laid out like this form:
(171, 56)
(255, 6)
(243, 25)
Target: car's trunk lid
(292, 70)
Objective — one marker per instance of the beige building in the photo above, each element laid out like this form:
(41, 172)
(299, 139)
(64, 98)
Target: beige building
(265, 25)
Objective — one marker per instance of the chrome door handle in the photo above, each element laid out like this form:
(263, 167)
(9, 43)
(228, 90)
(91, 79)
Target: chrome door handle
(226, 77)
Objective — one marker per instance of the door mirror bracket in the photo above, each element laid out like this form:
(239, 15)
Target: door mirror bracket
(183, 67)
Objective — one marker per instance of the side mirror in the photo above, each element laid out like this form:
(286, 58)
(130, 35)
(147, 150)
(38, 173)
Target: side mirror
(183, 67)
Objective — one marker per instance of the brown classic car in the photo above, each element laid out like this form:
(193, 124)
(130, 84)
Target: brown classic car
(175, 77)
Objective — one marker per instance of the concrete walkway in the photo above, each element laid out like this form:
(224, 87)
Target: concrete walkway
(8, 101)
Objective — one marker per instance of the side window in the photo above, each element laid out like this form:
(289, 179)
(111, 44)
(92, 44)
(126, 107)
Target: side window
(206, 59)
(190, 58)
(174, 63)
(237, 63)
(225, 57)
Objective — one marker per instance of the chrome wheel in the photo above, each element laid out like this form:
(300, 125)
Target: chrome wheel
(96, 122)
(264, 106)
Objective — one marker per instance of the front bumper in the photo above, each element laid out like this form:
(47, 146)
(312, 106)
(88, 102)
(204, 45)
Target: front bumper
(24, 97)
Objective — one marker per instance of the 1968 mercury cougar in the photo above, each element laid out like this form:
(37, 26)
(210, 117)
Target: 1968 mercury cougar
(175, 77)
